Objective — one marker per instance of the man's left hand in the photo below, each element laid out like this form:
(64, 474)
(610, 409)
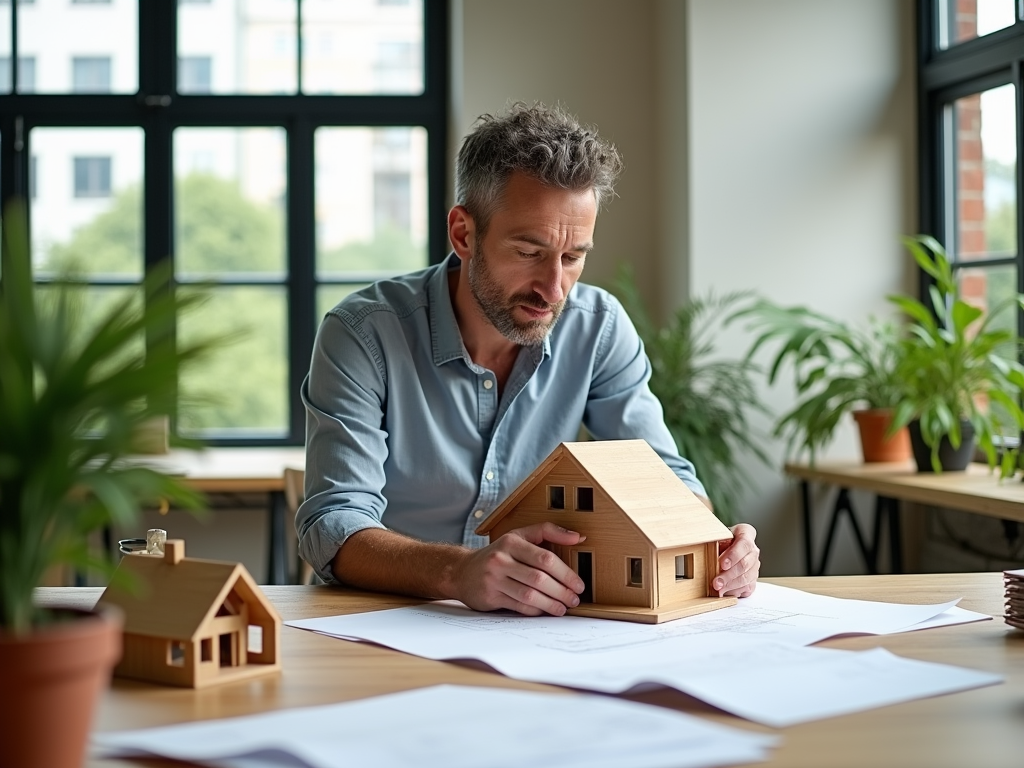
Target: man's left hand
(739, 563)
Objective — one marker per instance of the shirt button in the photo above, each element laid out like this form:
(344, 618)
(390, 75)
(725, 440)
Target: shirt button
(478, 514)
(489, 475)
(488, 383)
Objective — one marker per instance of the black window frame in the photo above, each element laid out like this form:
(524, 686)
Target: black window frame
(157, 109)
(945, 75)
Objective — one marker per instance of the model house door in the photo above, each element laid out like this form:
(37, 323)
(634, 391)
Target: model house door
(585, 570)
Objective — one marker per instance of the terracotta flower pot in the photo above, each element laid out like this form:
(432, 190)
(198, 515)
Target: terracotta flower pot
(873, 425)
(52, 679)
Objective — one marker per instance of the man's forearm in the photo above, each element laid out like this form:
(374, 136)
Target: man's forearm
(385, 561)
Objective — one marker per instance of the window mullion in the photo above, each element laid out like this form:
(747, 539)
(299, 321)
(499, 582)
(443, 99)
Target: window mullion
(301, 223)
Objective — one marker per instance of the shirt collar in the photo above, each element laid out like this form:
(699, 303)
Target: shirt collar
(444, 329)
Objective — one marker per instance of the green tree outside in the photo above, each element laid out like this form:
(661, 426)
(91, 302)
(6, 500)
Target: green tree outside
(218, 231)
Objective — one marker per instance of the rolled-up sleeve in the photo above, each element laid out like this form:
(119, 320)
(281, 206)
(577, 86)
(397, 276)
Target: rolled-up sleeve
(621, 406)
(346, 447)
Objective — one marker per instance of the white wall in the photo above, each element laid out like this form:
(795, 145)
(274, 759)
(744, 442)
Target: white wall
(769, 144)
(596, 58)
(801, 118)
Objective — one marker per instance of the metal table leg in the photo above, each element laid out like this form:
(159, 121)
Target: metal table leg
(885, 507)
(277, 567)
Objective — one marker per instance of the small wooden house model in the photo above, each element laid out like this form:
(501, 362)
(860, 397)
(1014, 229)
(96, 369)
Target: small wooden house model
(193, 622)
(651, 549)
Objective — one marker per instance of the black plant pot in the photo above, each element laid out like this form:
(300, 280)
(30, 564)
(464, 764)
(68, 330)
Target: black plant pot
(951, 459)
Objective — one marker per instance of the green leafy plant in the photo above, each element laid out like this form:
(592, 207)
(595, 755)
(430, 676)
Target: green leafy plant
(72, 398)
(955, 364)
(707, 400)
(838, 368)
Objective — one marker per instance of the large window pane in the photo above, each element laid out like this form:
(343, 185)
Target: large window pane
(371, 202)
(994, 289)
(249, 46)
(241, 391)
(986, 174)
(5, 49)
(229, 201)
(90, 304)
(962, 20)
(81, 47)
(327, 296)
(86, 202)
(362, 47)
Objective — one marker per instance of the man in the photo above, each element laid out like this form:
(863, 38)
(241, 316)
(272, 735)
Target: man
(430, 397)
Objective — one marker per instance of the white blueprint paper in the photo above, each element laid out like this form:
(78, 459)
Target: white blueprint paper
(449, 630)
(697, 655)
(451, 726)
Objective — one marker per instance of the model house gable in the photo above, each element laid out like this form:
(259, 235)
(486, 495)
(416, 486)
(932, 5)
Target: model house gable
(192, 622)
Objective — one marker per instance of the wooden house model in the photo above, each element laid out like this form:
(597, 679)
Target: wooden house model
(193, 622)
(651, 549)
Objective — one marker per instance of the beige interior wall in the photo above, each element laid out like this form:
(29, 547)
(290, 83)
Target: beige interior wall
(769, 145)
(801, 120)
(596, 58)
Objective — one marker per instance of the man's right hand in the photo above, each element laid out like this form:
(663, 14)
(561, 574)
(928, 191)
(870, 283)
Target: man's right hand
(514, 572)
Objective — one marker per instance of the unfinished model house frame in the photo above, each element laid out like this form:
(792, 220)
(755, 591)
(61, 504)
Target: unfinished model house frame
(651, 550)
(191, 622)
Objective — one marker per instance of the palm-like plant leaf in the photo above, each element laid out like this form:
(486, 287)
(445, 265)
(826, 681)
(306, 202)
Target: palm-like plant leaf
(71, 401)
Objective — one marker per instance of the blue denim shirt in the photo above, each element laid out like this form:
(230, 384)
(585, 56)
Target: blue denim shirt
(404, 431)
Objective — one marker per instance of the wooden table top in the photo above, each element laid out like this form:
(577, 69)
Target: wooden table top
(975, 489)
(978, 728)
(230, 470)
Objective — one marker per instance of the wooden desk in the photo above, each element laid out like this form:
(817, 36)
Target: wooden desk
(979, 728)
(976, 489)
(242, 470)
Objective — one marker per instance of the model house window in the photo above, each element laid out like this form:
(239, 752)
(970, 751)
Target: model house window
(195, 74)
(556, 497)
(636, 571)
(206, 649)
(90, 74)
(255, 639)
(584, 499)
(176, 653)
(92, 177)
(684, 567)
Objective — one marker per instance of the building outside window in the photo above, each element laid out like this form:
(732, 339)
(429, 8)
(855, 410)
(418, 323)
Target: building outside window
(277, 207)
(195, 74)
(92, 176)
(26, 74)
(90, 74)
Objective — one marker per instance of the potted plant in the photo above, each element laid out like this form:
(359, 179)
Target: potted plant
(961, 377)
(707, 400)
(72, 396)
(839, 369)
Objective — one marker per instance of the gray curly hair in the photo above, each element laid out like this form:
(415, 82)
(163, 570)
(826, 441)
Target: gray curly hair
(546, 143)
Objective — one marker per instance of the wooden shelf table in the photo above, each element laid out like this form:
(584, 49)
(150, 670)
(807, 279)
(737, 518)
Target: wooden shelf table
(976, 490)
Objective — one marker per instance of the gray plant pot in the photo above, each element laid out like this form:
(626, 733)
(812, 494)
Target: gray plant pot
(951, 459)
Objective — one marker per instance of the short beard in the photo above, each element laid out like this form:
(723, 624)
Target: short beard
(499, 310)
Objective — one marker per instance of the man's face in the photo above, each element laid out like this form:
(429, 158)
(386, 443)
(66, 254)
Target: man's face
(531, 256)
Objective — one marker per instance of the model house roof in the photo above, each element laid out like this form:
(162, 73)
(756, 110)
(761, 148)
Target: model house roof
(172, 598)
(634, 477)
